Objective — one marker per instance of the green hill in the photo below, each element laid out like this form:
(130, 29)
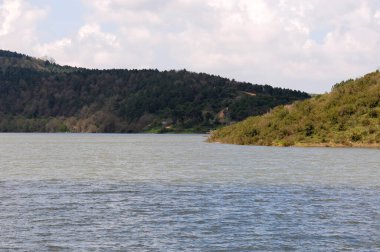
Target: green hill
(348, 116)
(37, 95)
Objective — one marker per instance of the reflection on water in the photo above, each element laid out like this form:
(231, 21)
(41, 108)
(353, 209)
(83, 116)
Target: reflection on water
(175, 192)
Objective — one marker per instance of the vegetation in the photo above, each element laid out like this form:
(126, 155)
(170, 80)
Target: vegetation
(39, 95)
(348, 116)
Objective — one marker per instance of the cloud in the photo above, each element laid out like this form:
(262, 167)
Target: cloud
(57, 48)
(97, 37)
(10, 11)
(95, 46)
(18, 24)
(304, 45)
(298, 44)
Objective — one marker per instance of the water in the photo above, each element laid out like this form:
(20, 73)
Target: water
(65, 192)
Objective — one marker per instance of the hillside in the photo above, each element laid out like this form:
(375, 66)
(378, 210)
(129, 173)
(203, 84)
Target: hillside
(40, 96)
(348, 116)
(12, 60)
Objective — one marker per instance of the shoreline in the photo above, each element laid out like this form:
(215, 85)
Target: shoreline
(309, 145)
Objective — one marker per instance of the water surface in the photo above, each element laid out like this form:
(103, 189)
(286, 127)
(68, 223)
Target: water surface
(175, 192)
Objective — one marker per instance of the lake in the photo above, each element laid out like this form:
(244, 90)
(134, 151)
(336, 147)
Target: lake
(114, 192)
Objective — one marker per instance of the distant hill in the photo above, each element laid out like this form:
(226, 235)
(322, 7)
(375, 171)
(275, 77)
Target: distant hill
(38, 95)
(348, 116)
(12, 60)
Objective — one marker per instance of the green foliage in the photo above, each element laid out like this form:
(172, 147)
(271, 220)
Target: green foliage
(39, 95)
(348, 116)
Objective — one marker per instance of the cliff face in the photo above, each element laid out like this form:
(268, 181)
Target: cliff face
(39, 95)
(348, 116)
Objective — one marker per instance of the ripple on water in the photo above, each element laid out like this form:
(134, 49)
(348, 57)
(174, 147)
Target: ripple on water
(80, 192)
(153, 216)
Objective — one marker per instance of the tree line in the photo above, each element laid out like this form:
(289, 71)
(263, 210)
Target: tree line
(41, 96)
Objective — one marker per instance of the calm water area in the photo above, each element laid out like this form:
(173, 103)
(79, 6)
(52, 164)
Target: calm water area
(114, 192)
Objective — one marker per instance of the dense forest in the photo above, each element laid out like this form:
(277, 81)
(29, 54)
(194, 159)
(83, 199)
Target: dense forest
(38, 95)
(348, 116)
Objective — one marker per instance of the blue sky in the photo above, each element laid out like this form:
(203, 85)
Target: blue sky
(307, 45)
(63, 17)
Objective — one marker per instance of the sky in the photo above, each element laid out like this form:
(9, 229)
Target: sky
(297, 44)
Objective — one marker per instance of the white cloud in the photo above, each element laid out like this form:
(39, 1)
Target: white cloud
(57, 48)
(96, 47)
(377, 17)
(93, 33)
(298, 44)
(10, 11)
(18, 22)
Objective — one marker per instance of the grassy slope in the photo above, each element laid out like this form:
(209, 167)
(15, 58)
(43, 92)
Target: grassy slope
(348, 116)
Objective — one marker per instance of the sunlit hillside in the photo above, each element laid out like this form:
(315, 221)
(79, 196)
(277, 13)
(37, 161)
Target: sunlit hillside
(348, 116)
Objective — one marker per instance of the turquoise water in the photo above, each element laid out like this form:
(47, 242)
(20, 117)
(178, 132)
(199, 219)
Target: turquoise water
(100, 192)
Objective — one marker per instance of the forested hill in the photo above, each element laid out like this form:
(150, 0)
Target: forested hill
(37, 95)
(348, 116)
